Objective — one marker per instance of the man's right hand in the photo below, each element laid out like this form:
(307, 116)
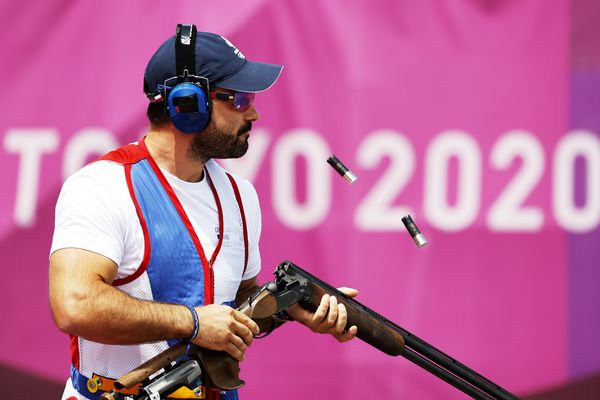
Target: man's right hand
(224, 328)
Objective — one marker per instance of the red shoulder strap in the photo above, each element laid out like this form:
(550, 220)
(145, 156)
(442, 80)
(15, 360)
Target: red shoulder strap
(238, 197)
(129, 154)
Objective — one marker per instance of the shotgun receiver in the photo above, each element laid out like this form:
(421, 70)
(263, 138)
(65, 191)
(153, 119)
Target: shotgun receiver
(293, 285)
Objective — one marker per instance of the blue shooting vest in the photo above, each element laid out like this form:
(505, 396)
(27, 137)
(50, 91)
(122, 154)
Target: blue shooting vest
(174, 260)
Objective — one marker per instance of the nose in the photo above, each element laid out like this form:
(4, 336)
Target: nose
(251, 114)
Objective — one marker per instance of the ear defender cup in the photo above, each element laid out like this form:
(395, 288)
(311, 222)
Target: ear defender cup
(188, 107)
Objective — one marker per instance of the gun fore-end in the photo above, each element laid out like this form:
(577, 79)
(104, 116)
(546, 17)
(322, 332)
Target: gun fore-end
(372, 328)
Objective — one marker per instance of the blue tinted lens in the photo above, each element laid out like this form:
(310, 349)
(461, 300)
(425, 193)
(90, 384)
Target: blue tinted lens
(243, 100)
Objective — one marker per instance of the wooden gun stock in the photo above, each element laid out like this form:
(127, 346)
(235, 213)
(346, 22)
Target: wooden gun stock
(220, 369)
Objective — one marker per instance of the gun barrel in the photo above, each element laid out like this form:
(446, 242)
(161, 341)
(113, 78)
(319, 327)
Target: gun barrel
(394, 340)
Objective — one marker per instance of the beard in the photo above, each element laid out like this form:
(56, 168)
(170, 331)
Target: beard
(213, 142)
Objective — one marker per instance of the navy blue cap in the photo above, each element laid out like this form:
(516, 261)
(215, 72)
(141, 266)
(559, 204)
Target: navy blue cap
(217, 60)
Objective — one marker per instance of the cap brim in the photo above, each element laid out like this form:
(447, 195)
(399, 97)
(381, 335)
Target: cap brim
(253, 77)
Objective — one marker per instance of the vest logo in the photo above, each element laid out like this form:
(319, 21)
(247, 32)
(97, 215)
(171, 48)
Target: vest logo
(232, 237)
(236, 51)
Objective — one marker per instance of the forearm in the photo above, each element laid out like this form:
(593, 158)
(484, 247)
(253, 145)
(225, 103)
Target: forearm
(85, 304)
(102, 313)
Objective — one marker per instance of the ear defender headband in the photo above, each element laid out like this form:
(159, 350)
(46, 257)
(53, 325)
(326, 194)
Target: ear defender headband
(188, 102)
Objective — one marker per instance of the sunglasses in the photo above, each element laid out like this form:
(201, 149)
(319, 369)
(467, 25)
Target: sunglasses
(241, 101)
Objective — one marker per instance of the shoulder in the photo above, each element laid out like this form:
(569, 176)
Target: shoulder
(94, 211)
(101, 184)
(128, 154)
(96, 175)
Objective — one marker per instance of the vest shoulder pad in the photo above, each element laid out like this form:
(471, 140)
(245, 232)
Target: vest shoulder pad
(129, 154)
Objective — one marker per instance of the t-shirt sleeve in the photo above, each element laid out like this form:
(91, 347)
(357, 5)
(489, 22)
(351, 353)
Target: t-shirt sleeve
(87, 216)
(254, 223)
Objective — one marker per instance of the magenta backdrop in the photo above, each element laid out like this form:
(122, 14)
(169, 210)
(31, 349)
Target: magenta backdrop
(457, 112)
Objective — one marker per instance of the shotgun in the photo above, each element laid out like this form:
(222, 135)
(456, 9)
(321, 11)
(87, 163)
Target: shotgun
(293, 285)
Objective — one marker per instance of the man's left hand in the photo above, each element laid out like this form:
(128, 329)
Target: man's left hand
(330, 317)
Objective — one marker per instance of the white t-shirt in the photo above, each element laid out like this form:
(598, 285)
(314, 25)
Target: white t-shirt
(95, 212)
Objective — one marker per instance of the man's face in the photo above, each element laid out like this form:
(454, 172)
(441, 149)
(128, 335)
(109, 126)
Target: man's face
(226, 135)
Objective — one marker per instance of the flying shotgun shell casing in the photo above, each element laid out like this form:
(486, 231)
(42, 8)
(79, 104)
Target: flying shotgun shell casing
(342, 169)
(415, 233)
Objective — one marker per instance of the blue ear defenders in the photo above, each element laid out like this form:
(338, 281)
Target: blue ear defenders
(188, 102)
(188, 107)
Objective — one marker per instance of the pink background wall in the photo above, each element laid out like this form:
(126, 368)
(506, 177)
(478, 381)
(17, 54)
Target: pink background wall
(421, 99)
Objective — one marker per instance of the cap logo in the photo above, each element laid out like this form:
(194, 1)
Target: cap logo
(236, 51)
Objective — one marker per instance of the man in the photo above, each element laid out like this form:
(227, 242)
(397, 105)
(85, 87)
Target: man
(155, 243)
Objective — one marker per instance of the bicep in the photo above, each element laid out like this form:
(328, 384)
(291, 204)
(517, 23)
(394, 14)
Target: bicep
(73, 276)
(74, 265)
